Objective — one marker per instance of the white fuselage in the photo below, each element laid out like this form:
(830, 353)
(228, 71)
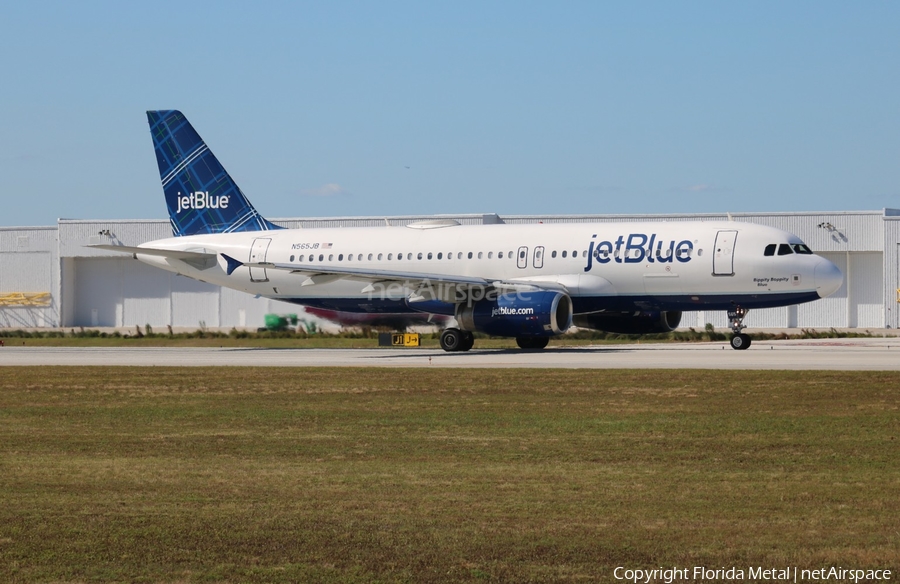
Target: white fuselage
(602, 266)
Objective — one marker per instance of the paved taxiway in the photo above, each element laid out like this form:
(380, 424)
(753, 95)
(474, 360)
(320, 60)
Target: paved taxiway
(821, 354)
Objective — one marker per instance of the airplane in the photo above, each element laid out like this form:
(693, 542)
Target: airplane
(531, 282)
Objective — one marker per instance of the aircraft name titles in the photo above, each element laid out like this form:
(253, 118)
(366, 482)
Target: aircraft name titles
(201, 200)
(636, 248)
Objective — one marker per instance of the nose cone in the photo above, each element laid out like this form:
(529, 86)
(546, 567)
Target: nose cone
(828, 278)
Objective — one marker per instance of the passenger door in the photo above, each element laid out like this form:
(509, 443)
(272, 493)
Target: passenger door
(723, 257)
(258, 255)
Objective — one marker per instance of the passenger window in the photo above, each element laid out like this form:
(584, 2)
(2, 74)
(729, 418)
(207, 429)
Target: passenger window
(370, 257)
(418, 257)
(565, 253)
(292, 258)
(500, 256)
(321, 257)
(429, 255)
(770, 249)
(331, 257)
(350, 257)
(480, 254)
(800, 248)
(459, 256)
(389, 256)
(380, 256)
(784, 249)
(490, 255)
(440, 255)
(553, 255)
(470, 255)
(409, 256)
(359, 257)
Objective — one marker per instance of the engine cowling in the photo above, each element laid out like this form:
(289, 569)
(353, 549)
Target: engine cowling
(541, 313)
(629, 323)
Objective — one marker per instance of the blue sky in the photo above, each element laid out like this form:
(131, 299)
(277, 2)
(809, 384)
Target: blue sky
(385, 108)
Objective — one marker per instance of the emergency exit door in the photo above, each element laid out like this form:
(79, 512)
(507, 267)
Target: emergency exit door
(538, 261)
(522, 258)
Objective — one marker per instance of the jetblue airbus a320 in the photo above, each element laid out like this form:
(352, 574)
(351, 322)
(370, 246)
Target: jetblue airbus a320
(530, 282)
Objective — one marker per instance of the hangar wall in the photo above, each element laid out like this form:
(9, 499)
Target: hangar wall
(891, 269)
(29, 277)
(89, 287)
(122, 292)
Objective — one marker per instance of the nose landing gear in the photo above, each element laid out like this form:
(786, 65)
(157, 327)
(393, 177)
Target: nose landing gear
(740, 340)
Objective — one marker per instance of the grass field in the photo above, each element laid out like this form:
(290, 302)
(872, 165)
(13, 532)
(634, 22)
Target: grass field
(361, 475)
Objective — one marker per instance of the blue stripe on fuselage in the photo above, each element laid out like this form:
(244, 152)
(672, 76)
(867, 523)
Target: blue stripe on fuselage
(581, 304)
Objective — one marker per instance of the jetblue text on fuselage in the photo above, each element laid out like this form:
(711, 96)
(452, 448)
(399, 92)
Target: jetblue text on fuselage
(638, 247)
(201, 200)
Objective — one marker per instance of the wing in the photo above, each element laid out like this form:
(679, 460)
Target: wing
(427, 285)
(311, 270)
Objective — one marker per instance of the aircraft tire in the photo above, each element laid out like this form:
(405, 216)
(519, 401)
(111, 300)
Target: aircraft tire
(468, 341)
(532, 342)
(452, 339)
(740, 341)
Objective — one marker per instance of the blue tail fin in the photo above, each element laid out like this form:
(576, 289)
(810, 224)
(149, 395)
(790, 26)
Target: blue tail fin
(201, 196)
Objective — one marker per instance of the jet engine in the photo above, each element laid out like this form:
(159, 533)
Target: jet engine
(540, 313)
(631, 323)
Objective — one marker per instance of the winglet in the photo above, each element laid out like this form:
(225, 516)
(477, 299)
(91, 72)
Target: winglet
(233, 264)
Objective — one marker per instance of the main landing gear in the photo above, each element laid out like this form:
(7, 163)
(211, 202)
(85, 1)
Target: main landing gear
(740, 340)
(453, 339)
(532, 342)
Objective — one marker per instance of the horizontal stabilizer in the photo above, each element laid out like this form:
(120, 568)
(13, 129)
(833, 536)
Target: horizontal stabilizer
(167, 253)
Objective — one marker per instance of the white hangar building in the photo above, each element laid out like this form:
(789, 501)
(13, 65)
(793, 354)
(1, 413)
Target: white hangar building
(48, 278)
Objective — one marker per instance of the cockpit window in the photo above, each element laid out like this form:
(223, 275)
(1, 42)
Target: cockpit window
(801, 248)
(784, 249)
(770, 249)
